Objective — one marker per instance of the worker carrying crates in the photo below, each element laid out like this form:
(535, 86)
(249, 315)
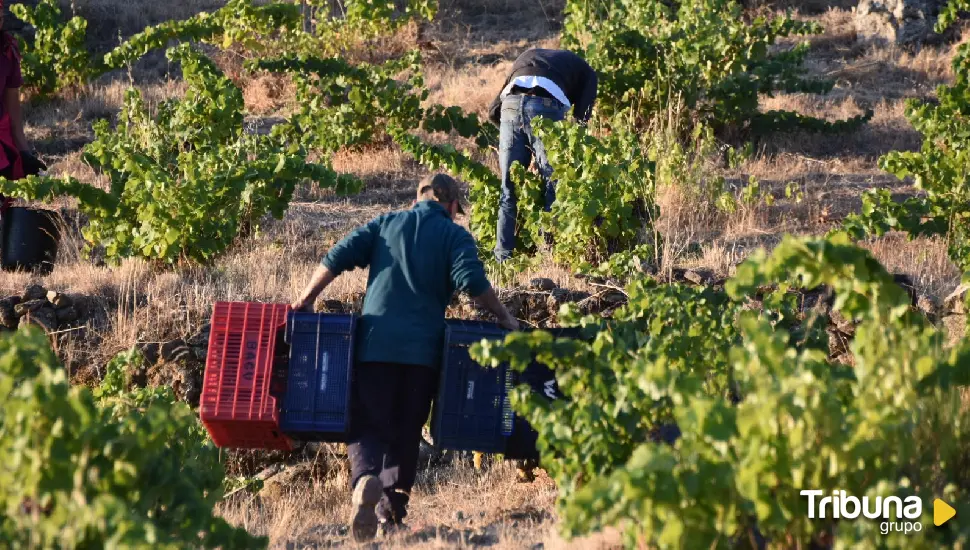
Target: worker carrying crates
(274, 375)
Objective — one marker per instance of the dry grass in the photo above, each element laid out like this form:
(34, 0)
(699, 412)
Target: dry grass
(924, 260)
(452, 506)
(109, 20)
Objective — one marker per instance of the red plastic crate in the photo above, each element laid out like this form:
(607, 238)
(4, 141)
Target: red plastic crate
(237, 407)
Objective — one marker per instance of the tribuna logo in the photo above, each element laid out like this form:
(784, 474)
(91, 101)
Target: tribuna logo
(840, 505)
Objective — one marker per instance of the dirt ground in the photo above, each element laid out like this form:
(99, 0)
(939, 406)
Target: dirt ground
(473, 45)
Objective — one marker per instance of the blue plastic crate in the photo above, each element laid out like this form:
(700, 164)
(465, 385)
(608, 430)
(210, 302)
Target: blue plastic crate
(316, 405)
(472, 411)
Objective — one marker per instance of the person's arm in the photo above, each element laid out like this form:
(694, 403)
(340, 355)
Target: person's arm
(495, 110)
(489, 300)
(584, 104)
(11, 102)
(351, 252)
(468, 274)
(355, 249)
(11, 105)
(321, 278)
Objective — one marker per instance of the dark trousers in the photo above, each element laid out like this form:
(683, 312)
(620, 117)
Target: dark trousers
(390, 403)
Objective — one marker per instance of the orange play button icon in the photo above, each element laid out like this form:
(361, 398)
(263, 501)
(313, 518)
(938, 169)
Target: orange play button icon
(942, 512)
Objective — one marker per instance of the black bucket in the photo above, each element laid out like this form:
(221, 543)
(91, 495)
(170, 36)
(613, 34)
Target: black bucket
(28, 239)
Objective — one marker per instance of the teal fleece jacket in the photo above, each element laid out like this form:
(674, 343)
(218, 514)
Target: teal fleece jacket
(418, 258)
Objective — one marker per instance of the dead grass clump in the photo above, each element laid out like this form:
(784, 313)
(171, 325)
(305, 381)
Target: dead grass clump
(471, 87)
(924, 260)
(888, 130)
(498, 23)
(390, 177)
(687, 217)
(267, 93)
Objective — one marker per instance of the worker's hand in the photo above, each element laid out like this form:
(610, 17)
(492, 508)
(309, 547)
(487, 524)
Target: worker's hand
(509, 322)
(302, 305)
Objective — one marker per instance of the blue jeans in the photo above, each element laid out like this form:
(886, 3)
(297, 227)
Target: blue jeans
(517, 143)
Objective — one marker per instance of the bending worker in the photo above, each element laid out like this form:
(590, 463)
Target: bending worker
(418, 258)
(543, 83)
(16, 158)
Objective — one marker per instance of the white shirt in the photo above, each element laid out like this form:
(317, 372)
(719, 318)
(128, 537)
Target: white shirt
(538, 82)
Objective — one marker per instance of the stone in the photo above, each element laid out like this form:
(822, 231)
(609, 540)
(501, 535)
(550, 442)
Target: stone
(190, 389)
(954, 327)
(200, 338)
(543, 284)
(845, 359)
(269, 471)
(843, 324)
(43, 317)
(678, 275)
(753, 304)
(183, 376)
(838, 342)
(906, 282)
(150, 351)
(138, 376)
(954, 304)
(648, 268)
(817, 301)
(59, 300)
(66, 315)
(35, 292)
(557, 298)
(896, 22)
(295, 478)
(701, 277)
(928, 306)
(615, 298)
(199, 342)
(28, 306)
(174, 350)
(8, 317)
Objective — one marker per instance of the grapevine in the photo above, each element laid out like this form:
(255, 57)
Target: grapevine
(939, 169)
(83, 471)
(57, 58)
(186, 180)
(762, 414)
(650, 54)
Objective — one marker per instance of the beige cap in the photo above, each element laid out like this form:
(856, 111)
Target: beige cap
(445, 189)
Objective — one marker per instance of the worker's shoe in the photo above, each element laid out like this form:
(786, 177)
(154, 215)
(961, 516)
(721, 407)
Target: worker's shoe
(525, 470)
(389, 529)
(363, 519)
(525, 475)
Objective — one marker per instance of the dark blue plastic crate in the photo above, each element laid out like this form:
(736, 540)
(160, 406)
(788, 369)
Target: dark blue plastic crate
(472, 411)
(316, 405)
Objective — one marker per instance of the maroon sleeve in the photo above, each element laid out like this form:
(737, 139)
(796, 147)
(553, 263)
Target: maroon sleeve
(14, 78)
